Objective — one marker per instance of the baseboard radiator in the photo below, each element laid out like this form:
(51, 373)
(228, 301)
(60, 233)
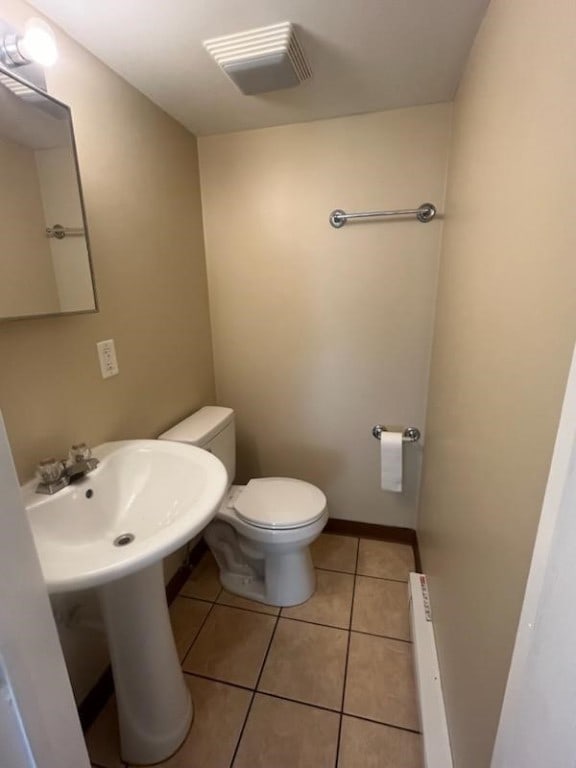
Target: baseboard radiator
(435, 738)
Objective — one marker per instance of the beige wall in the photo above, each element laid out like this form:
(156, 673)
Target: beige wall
(27, 282)
(504, 335)
(320, 333)
(140, 180)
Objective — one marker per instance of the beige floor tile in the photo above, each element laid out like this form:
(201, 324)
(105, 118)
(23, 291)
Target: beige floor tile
(330, 604)
(186, 616)
(235, 601)
(385, 559)
(306, 662)
(381, 607)
(231, 645)
(335, 553)
(219, 713)
(204, 581)
(283, 734)
(371, 745)
(102, 738)
(380, 681)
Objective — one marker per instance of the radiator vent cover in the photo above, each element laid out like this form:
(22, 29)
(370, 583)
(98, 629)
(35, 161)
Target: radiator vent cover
(261, 60)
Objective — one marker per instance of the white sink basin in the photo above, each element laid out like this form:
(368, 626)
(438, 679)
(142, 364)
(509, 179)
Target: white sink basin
(158, 492)
(162, 494)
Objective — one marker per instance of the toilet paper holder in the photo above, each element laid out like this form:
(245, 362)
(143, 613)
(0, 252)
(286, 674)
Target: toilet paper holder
(409, 435)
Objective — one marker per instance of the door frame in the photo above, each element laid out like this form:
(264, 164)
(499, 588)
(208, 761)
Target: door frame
(39, 716)
(536, 725)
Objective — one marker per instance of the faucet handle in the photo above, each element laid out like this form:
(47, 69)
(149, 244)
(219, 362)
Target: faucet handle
(52, 475)
(80, 461)
(79, 452)
(50, 470)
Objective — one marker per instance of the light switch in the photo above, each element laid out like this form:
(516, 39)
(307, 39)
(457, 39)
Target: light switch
(107, 357)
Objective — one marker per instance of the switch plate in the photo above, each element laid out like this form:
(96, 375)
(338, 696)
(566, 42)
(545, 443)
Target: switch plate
(107, 357)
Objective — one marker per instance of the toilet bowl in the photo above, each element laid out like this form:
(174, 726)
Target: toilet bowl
(261, 537)
(261, 534)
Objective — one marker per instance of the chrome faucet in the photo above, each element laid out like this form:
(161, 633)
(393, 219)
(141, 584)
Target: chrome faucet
(56, 474)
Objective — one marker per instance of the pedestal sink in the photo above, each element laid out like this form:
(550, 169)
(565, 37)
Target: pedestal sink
(111, 530)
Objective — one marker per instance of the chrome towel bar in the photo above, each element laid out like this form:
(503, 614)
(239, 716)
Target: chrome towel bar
(409, 435)
(424, 213)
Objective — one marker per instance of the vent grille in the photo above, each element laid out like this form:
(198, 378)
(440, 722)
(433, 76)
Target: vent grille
(261, 60)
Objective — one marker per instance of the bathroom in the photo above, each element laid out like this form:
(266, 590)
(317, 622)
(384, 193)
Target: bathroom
(221, 281)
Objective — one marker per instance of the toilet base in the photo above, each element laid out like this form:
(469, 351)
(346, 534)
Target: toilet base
(269, 566)
(289, 580)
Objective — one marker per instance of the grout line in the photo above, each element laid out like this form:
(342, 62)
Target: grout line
(252, 610)
(196, 636)
(382, 578)
(365, 575)
(193, 597)
(241, 734)
(382, 722)
(347, 657)
(317, 623)
(333, 570)
(342, 628)
(299, 701)
(263, 693)
(218, 680)
(310, 621)
(328, 570)
(267, 652)
(384, 637)
(246, 610)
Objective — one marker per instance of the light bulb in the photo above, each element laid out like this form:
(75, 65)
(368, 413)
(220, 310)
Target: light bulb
(38, 43)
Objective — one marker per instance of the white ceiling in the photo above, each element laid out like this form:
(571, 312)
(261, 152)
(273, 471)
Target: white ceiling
(365, 55)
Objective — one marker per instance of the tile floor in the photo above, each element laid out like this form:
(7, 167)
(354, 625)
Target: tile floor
(326, 684)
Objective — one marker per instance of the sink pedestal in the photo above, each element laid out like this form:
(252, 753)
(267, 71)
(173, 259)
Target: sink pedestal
(111, 531)
(154, 705)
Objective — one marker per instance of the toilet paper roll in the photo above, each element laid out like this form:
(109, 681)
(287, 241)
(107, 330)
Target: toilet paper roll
(391, 461)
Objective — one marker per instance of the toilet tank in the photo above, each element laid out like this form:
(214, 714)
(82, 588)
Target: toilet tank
(211, 428)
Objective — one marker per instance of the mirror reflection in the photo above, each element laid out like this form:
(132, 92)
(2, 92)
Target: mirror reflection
(45, 266)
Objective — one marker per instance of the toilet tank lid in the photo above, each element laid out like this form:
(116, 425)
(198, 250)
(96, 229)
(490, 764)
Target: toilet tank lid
(201, 426)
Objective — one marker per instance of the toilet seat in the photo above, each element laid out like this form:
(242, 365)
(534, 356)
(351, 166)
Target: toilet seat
(279, 503)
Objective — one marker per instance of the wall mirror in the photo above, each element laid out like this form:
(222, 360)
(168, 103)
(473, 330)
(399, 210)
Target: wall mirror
(45, 266)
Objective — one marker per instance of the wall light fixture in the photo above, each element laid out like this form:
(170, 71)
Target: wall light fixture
(37, 44)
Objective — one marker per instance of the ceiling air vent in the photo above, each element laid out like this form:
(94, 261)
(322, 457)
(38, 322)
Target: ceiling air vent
(261, 60)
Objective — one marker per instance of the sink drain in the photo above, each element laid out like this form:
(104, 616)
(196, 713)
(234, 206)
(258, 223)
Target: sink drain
(124, 539)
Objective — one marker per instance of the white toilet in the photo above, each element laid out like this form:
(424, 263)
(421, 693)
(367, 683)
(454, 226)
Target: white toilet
(261, 534)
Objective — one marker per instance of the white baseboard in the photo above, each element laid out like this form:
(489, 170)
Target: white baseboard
(435, 736)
